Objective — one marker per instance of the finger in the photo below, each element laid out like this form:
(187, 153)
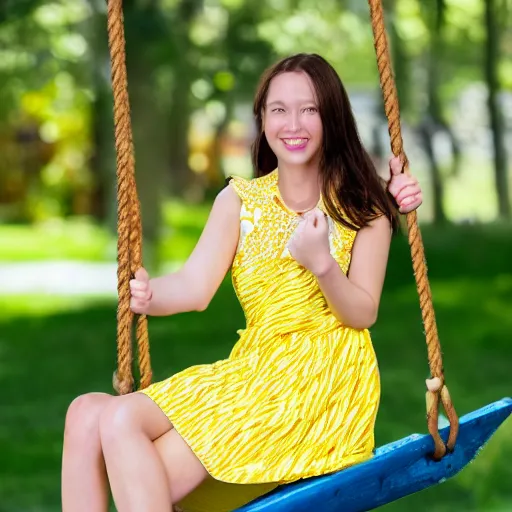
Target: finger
(397, 183)
(308, 216)
(138, 306)
(300, 227)
(140, 294)
(138, 285)
(406, 192)
(411, 204)
(142, 275)
(318, 214)
(312, 217)
(321, 219)
(396, 166)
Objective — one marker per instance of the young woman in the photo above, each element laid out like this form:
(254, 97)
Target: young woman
(307, 242)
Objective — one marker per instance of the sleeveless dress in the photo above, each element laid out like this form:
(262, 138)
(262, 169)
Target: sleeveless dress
(298, 395)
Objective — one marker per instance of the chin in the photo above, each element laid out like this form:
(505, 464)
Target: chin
(297, 160)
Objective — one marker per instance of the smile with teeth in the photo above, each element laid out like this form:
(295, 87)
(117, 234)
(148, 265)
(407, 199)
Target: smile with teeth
(295, 142)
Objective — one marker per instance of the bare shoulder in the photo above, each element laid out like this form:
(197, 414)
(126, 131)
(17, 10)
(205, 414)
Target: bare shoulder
(379, 227)
(227, 200)
(381, 222)
(372, 243)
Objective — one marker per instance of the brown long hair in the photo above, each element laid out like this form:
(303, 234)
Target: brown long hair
(353, 192)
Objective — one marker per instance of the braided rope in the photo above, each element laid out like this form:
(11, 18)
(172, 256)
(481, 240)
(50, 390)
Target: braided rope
(436, 388)
(129, 230)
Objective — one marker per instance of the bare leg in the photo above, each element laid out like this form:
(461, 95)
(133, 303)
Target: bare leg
(84, 479)
(184, 470)
(84, 476)
(138, 477)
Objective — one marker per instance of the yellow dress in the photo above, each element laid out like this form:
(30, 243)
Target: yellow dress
(298, 395)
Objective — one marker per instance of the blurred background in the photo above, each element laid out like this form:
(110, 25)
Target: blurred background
(193, 66)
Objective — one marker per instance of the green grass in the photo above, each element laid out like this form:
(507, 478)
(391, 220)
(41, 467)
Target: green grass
(82, 240)
(60, 240)
(52, 349)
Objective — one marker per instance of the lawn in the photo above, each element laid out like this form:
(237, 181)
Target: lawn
(52, 349)
(79, 239)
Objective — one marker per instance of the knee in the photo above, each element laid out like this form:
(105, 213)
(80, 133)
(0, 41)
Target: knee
(82, 419)
(117, 419)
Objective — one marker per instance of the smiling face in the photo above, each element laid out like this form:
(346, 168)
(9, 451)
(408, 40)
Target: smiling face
(291, 120)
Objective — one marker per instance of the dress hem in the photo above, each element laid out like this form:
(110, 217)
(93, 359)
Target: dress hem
(187, 441)
(203, 459)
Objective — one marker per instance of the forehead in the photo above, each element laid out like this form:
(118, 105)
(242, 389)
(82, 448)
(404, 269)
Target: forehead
(291, 87)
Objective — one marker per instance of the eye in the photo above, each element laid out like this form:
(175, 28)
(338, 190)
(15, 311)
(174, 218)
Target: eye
(311, 110)
(278, 109)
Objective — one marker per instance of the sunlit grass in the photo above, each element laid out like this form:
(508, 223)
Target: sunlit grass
(56, 240)
(85, 241)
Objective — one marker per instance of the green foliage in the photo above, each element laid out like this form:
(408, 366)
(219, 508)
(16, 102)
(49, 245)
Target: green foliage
(196, 57)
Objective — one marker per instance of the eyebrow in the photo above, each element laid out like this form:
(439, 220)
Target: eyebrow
(279, 102)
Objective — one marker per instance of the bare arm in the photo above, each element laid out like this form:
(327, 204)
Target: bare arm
(355, 299)
(193, 286)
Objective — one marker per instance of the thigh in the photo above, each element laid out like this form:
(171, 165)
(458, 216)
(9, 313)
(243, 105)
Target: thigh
(184, 470)
(134, 412)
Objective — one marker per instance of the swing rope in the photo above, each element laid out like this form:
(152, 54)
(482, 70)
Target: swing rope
(130, 230)
(436, 387)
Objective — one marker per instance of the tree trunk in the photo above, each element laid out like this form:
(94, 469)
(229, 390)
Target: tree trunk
(151, 165)
(217, 174)
(184, 182)
(149, 122)
(103, 158)
(427, 131)
(434, 99)
(401, 65)
(179, 124)
(433, 117)
(495, 116)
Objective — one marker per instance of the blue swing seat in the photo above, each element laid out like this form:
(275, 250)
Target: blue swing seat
(396, 470)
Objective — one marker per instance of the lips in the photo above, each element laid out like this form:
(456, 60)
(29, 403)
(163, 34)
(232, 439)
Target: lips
(295, 144)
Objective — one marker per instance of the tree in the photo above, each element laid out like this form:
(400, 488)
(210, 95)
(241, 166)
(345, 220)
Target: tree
(433, 119)
(493, 30)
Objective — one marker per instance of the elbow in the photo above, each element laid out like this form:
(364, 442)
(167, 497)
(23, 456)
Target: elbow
(201, 306)
(363, 322)
(195, 296)
(201, 303)
(369, 318)
(372, 318)
(361, 326)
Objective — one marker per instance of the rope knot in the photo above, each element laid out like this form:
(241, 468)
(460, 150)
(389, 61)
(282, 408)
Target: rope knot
(434, 384)
(123, 385)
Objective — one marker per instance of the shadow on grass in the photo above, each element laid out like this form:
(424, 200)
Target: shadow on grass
(52, 350)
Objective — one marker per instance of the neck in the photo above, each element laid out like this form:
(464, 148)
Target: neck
(299, 186)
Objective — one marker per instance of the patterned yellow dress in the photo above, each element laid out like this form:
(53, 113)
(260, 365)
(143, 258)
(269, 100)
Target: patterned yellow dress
(298, 395)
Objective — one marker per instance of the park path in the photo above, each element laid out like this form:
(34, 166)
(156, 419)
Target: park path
(61, 278)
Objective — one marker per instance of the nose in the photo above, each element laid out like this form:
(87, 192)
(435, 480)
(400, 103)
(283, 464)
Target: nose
(294, 121)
